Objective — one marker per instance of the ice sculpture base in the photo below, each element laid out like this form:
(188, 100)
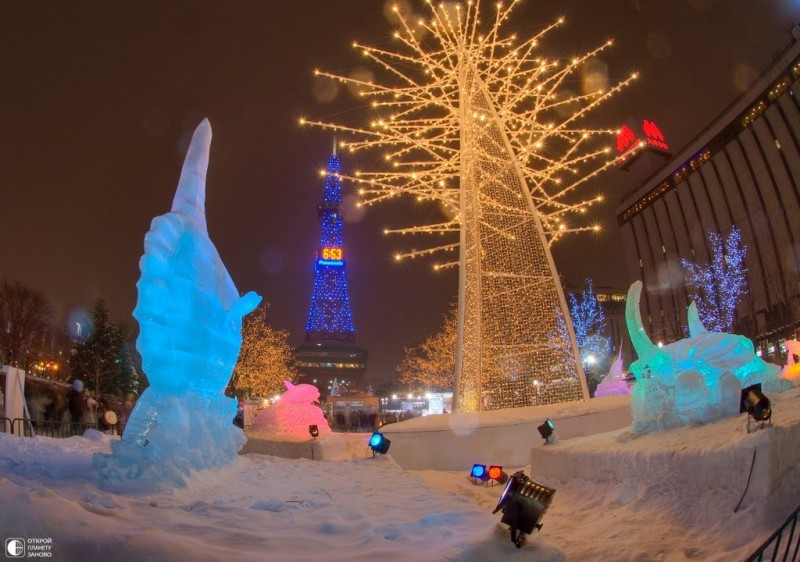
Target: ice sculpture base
(330, 447)
(169, 438)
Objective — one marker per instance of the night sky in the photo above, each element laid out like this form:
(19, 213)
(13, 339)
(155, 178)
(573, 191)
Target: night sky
(99, 99)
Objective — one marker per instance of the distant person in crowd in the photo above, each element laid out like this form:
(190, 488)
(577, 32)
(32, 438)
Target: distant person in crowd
(127, 408)
(90, 411)
(238, 420)
(76, 405)
(55, 410)
(37, 405)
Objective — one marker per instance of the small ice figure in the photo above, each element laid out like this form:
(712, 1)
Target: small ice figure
(791, 371)
(292, 413)
(614, 384)
(190, 318)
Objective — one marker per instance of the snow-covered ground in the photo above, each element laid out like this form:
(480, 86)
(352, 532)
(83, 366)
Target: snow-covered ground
(356, 507)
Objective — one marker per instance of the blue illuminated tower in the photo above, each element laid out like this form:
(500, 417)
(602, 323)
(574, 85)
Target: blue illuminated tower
(330, 318)
(329, 351)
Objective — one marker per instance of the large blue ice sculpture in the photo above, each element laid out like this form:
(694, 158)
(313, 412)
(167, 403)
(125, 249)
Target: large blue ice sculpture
(694, 380)
(190, 319)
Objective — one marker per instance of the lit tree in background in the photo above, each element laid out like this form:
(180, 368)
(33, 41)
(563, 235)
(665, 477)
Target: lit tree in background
(102, 359)
(265, 359)
(717, 286)
(483, 124)
(431, 364)
(589, 323)
(562, 372)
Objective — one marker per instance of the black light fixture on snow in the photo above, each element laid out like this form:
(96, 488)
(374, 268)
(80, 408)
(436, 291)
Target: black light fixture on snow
(756, 405)
(523, 502)
(313, 430)
(379, 444)
(546, 429)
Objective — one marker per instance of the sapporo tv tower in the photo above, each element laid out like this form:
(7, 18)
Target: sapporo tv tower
(329, 352)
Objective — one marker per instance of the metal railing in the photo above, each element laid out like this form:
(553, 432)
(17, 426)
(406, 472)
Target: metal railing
(49, 428)
(783, 545)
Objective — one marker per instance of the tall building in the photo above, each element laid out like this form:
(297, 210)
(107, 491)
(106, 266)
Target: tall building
(742, 171)
(329, 352)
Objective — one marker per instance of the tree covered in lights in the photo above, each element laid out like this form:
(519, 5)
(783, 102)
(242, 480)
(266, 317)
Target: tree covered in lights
(265, 359)
(589, 323)
(485, 124)
(431, 364)
(717, 286)
(557, 340)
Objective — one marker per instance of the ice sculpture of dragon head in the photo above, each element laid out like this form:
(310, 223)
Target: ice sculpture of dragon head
(696, 379)
(188, 308)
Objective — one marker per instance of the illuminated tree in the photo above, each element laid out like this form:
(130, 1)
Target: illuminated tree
(717, 286)
(482, 123)
(589, 323)
(265, 359)
(431, 364)
(102, 359)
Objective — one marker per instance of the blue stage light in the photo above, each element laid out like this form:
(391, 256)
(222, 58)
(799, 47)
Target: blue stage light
(478, 472)
(379, 444)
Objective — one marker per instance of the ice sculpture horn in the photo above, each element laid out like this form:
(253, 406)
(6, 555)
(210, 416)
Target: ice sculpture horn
(190, 197)
(633, 318)
(693, 319)
(244, 306)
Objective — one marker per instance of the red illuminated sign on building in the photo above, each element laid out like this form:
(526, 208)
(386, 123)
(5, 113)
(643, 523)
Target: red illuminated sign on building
(653, 135)
(627, 138)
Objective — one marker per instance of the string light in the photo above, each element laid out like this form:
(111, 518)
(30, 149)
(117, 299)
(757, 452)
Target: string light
(485, 126)
(589, 323)
(717, 286)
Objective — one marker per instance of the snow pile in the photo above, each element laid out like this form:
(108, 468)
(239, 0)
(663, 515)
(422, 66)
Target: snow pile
(667, 495)
(255, 508)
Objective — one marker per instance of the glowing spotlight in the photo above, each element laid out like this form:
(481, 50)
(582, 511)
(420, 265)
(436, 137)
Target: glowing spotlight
(546, 430)
(479, 473)
(496, 473)
(379, 444)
